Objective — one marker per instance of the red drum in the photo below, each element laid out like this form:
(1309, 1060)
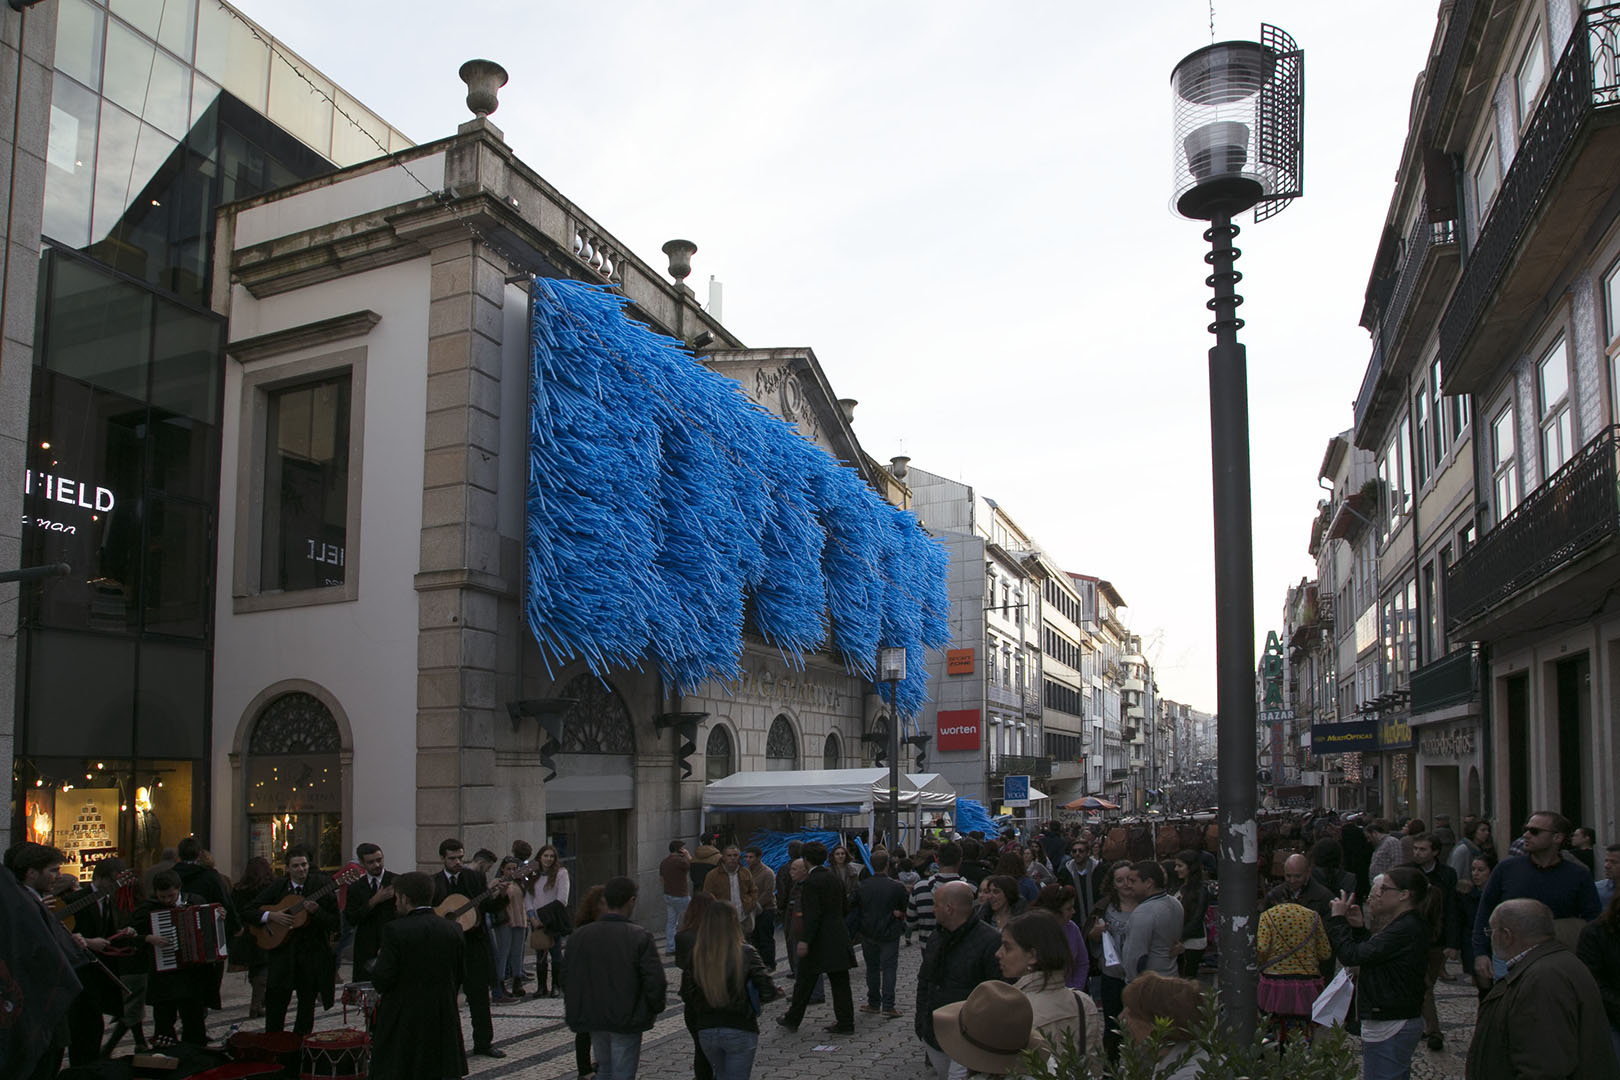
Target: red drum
(341, 1052)
(236, 1070)
(364, 997)
(276, 1048)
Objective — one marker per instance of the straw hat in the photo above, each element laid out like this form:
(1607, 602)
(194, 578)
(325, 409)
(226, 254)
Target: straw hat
(989, 1030)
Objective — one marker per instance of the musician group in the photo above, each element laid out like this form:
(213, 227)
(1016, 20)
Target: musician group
(417, 940)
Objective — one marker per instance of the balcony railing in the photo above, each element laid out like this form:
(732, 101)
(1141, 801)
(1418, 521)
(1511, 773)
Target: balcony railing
(1450, 680)
(1586, 79)
(1369, 381)
(1020, 765)
(1576, 509)
(1445, 68)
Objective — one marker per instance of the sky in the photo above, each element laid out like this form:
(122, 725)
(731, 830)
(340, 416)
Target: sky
(964, 209)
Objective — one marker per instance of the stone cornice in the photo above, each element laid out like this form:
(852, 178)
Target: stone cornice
(322, 332)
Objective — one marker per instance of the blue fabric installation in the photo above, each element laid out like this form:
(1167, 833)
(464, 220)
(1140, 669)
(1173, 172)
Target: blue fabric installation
(661, 502)
(773, 845)
(972, 816)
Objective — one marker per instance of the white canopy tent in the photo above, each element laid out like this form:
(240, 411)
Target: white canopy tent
(813, 791)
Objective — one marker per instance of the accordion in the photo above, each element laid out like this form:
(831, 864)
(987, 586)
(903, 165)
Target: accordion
(196, 936)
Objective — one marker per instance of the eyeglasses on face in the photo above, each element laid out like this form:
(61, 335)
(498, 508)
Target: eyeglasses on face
(1531, 830)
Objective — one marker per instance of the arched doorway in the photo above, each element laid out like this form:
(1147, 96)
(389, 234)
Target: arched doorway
(718, 760)
(294, 780)
(781, 746)
(832, 753)
(588, 805)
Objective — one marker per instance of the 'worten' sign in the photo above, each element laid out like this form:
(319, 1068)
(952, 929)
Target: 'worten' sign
(957, 729)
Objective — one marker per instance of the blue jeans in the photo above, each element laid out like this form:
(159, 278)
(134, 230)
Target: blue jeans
(674, 908)
(1392, 1058)
(617, 1056)
(882, 960)
(730, 1051)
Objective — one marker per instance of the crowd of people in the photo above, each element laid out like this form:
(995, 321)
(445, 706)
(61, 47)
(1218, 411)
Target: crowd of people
(1024, 945)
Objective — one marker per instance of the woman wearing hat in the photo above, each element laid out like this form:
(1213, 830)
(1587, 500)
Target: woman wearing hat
(987, 1033)
(1150, 997)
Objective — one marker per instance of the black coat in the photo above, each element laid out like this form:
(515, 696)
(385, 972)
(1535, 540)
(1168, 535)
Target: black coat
(417, 1033)
(615, 977)
(1393, 962)
(304, 962)
(189, 982)
(1447, 914)
(953, 963)
(872, 908)
(205, 882)
(737, 1012)
(368, 920)
(479, 961)
(823, 900)
(1599, 950)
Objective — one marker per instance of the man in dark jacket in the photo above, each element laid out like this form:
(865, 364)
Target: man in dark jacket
(208, 887)
(960, 956)
(369, 906)
(878, 914)
(1446, 917)
(824, 946)
(417, 967)
(303, 963)
(617, 989)
(1544, 1018)
(479, 961)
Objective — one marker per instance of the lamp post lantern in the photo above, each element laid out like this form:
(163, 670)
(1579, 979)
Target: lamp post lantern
(1238, 145)
(892, 670)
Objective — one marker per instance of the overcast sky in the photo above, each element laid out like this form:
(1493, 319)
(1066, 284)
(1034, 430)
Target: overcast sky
(963, 208)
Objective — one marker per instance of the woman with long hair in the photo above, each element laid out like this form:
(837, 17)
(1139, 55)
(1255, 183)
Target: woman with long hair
(1059, 900)
(1011, 864)
(550, 886)
(1000, 895)
(244, 948)
(727, 977)
(848, 873)
(685, 940)
(1599, 950)
(591, 907)
(1393, 964)
(1111, 917)
(1194, 897)
(1035, 953)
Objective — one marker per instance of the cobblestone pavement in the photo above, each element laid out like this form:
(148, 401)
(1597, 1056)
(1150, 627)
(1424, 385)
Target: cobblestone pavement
(539, 1046)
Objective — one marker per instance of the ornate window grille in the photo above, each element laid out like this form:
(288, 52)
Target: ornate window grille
(781, 746)
(717, 764)
(598, 723)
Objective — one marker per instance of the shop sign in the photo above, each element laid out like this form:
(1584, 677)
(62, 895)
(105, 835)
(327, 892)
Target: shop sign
(51, 495)
(1456, 743)
(957, 729)
(763, 683)
(1357, 735)
(1395, 734)
(958, 661)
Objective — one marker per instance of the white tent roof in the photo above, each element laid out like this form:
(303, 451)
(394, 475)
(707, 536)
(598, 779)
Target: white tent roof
(936, 793)
(849, 791)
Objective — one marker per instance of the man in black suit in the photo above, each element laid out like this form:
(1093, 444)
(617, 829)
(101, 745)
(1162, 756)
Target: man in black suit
(183, 992)
(479, 962)
(824, 945)
(303, 963)
(369, 907)
(205, 884)
(419, 963)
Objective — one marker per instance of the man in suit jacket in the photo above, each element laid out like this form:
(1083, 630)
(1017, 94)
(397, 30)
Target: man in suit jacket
(303, 964)
(369, 907)
(419, 963)
(824, 947)
(478, 962)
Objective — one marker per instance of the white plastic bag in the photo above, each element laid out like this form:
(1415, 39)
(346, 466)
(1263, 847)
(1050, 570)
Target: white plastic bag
(1332, 1005)
(1110, 952)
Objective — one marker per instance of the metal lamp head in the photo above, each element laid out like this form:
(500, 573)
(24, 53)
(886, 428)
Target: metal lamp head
(1238, 125)
(483, 79)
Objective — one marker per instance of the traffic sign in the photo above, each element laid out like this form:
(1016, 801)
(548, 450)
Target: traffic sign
(1015, 791)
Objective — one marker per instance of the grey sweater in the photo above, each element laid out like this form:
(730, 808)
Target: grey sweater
(1154, 930)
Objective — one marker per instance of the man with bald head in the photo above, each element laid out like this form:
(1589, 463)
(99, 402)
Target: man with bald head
(1300, 887)
(960, 956)
(1545, 1017)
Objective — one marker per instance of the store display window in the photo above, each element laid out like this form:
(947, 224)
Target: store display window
(102, 808)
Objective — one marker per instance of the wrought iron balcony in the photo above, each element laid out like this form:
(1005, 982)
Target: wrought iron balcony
(1020, 765)
(1118, 774)
(1450, 680)
(1369, 381)
(1560, 177)
(1458, 31)
(1576, 509)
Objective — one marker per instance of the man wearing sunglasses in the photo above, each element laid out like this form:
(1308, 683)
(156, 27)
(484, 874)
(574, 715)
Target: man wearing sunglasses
(1541, 873)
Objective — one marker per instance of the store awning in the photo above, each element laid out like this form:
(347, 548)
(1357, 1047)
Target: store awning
(813, 791)
(933, 789)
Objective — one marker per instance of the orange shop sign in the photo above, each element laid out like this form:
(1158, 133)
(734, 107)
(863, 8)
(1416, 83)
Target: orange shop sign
(958, 661)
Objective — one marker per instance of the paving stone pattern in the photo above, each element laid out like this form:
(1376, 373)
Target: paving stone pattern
(539, 1045)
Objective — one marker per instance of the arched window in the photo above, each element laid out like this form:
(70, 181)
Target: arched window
(717, 755)
(781, 746)
(294, 780)
(598, 722)
(832, 755)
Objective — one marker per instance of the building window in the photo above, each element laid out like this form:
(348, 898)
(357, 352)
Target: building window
(1552, 384)
(832, 754)
(781, 746)
(294, 781)
(597, 722)
(1420, 444)
(299, 469)
(1486, 180)
(1611, 324)
(717, 756)
(1530, 77)
(1504, 464)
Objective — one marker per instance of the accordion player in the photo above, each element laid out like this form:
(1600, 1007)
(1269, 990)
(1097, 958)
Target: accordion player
(184, 946)
(195, 934)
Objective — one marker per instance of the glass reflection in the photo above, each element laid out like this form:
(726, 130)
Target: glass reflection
(79, 26)
(70, 163)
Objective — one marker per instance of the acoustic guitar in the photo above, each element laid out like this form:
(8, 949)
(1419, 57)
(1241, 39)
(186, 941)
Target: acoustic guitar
(65, 912)
(272, 935)
(459, 909)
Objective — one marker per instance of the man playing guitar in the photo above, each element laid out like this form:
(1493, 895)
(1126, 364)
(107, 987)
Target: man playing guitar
(304, 963)
(479, 962)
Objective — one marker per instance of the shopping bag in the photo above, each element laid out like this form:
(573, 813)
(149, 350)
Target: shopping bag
(1110, 952)
(1332, 1005)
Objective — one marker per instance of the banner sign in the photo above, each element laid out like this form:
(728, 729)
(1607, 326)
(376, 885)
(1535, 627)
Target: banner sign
(957, 729)
(958, 661)
(1357, 735)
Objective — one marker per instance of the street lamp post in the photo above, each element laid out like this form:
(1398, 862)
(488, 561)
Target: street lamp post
(892, 669)
(1239, 131)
